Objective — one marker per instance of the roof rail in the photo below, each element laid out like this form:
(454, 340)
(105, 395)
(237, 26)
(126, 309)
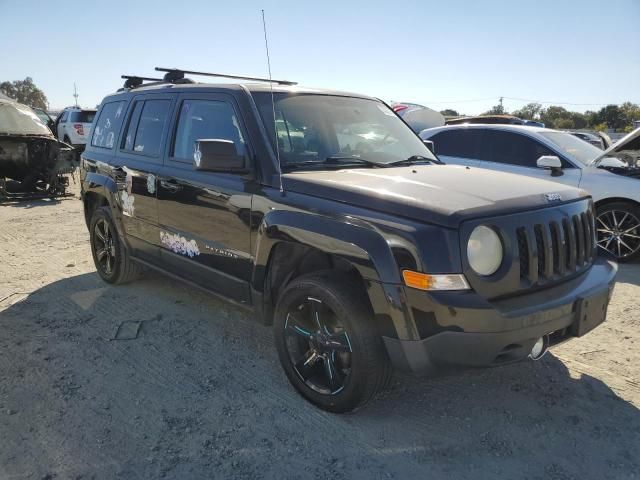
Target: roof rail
(133, 81)
(173, 74)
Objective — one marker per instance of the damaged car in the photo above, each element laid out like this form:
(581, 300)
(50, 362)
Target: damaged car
(611, 177)
(32, 161)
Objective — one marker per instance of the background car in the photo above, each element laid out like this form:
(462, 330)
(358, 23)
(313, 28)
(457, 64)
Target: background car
(73, 126)
(594, 140)
(611, 177)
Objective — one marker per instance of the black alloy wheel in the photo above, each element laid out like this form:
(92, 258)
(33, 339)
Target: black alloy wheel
(318, 345)
(328, 343)
(104, 247)
(111, 259)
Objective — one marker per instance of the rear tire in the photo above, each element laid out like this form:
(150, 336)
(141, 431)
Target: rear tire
(112, 260)
(327, 342)
(618, 229)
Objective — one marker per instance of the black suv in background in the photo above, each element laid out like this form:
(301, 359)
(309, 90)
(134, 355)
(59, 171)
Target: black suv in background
(328, 217)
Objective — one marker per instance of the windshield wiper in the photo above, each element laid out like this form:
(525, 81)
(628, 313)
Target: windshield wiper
(414, 159)
(334, 160)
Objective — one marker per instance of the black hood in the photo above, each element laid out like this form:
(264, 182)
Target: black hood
(440, 194)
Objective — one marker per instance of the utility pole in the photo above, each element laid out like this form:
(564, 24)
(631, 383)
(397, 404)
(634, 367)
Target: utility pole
(75, 93)
(501, 107)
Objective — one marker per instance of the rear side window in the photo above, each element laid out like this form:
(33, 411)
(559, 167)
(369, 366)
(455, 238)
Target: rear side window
(511, 148)
(206, 119)
(146, 125)
(82, 117)
(107, 126)
(457, 143)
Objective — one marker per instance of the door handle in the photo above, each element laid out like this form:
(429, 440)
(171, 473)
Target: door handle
(171, 185)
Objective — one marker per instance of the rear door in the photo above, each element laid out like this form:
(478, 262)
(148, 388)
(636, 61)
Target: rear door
(205, 217)
(514, 152)
(140, 156)
(457, 146)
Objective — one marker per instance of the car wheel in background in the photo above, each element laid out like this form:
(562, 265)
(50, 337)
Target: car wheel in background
(618, 230)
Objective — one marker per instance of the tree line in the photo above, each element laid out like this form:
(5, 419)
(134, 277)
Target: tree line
(616, 117)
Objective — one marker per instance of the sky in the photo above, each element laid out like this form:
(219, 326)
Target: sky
(454, 54)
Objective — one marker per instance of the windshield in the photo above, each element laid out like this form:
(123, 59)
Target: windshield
(574, 147)
(316, 128)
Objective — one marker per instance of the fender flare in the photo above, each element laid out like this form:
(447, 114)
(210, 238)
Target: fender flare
(364, 248)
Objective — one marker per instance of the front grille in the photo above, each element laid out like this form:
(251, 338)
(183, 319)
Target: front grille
(551, 250)
(542, 247)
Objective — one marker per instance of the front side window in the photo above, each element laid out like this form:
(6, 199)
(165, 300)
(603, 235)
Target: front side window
(331, 129)
(206, 119)
(107, 126)
(511, 148)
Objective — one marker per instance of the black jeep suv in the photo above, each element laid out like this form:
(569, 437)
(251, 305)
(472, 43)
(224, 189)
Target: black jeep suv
(329, 218)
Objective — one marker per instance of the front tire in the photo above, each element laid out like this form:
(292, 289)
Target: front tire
(327, 342)
(112, 261)
(618, 229)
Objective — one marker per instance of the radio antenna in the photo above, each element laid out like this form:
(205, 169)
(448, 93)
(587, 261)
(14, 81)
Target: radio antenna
(273, 103)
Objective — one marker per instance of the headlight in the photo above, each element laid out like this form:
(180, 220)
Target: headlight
(484, 250)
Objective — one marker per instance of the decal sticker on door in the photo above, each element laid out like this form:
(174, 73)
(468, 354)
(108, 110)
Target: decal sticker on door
(179, 244)
(127, 198)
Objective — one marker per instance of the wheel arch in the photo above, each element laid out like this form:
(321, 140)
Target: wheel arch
(291, 244)
(608, 200)
(97, 192)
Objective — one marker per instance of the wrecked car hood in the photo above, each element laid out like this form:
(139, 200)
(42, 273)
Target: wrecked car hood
(18, 119)
(627, 149)
(440, 194)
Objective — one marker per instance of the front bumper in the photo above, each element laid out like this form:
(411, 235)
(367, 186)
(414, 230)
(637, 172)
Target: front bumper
(462, 329)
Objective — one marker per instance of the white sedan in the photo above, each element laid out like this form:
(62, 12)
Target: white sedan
(611, 177)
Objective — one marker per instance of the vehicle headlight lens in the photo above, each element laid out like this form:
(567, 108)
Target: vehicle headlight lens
(484, 250)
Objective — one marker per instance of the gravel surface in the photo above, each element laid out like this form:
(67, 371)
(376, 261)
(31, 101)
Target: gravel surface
(156, 380)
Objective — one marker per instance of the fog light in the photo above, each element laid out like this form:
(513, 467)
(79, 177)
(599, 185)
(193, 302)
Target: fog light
(539, 348)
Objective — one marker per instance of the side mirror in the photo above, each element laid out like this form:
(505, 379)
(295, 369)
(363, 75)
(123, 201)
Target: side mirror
(550, 162)
(217, 155)
(430, 145)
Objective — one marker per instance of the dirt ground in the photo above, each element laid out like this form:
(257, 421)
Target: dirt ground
(199, 392)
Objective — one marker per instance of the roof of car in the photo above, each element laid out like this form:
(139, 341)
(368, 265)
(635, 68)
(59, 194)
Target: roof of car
(251, 87)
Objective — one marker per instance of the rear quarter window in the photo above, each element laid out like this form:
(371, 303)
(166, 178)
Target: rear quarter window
(457, 143)
(107, 126)
(82, 117)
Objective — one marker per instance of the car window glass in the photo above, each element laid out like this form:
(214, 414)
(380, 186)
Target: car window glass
(82, 117)
(206, 119)
(457, 143)
(108, 124)
(63, 118)
(132, 125)
(153, 118)
(511, 148)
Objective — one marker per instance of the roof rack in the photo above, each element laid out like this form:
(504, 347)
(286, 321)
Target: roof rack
(174, 74)
(133, 81)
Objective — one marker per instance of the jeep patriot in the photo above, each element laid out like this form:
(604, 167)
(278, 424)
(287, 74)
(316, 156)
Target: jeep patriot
(328, 217)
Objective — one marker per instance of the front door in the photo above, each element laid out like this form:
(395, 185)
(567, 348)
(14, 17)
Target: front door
(205, 217)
